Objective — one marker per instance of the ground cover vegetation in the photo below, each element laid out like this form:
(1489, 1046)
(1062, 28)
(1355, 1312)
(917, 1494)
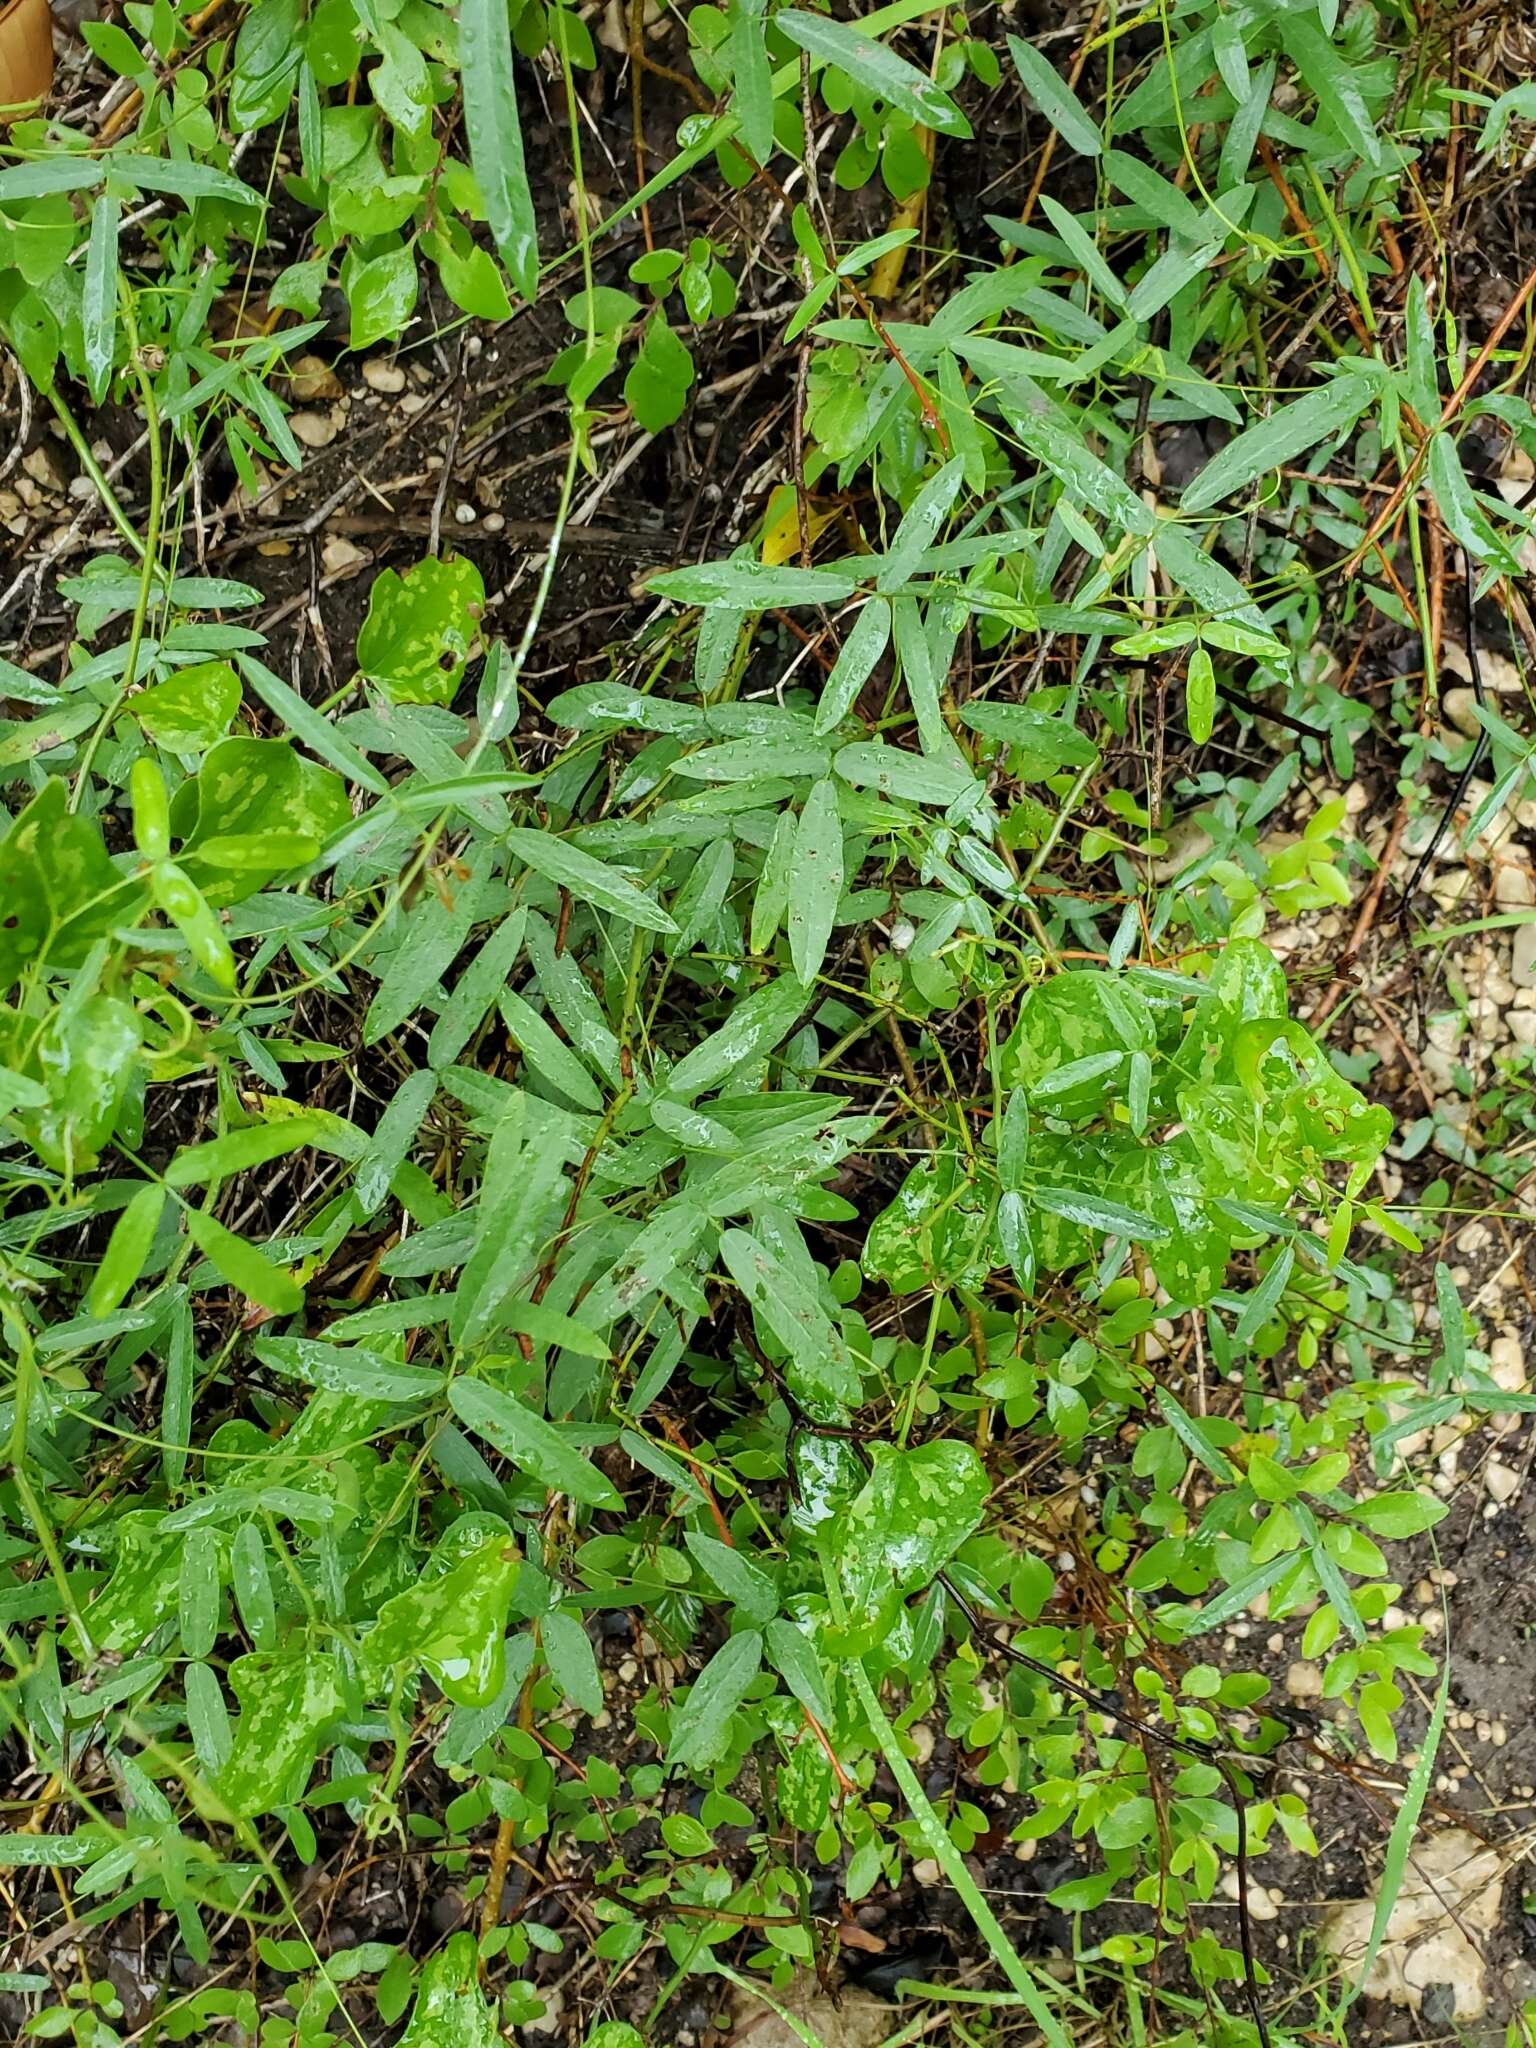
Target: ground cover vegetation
(808, 1152)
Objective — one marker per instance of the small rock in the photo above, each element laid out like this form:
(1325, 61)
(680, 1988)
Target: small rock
(1502, 1481)
(379, 375)
(927, 1873)
(1304, 1681)
(40, 464)
(1460, 708)
(1506, 1363)
(465, 514)
(312, 429)
(1514, 887)
(1450, 1895)
(339, 554)
(312, 378)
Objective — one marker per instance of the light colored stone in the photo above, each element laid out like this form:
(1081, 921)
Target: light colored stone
(1506, 1363)
(927, 1873)
(312, 429)
(1460, 708)
(1502, 1481)
(1514, 887)
(1304, 1681)
(311, 377)
(340, 554)
(1450, 1894)
(1522, 958)
(379, 375)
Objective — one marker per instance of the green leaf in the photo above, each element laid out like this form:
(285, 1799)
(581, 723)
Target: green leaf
(98, 302)
(287, 1702)
(656, 386)
(1200, 697)
(535, 1446)
(911, 778)
(572, 1665)
(1196, 1438)
(815, 881)
(819, 1361)
(381, 295)
(590, 879)
(746, 1584)
(548, 1055)
(61, 891)
(1084, 251)
(1333, 76)
(307, 724)
(496, 138)
(245, 1269)
(476, 990)
(191, 710)
(421, 629)
(1265, 1298)
(866, 643)
(393, 1136)
(701, 1726)
(878, 69)
(752, 77)
(344, 1370)
(1055, 98)
(914, 1511)
(1293, 430)
(453, 1619)
(1397, 1515)
(935, 1231)
(184, 178)
(127, 1249)
(793, 1656)
(451, 2011)
(257, 1145)
(1093, 1212)
(919, 527)
(262, 791)
(755, 586)
(755, 1026)
(431, 942)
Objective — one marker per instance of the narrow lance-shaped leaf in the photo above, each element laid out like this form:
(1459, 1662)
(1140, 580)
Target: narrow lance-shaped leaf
(1290, 432)
(867, 640)
(870, 64)
(1055, 98)
(98, 300)
(496, 137)
(816, 880)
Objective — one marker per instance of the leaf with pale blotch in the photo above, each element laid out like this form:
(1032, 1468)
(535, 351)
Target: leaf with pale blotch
(450, 2009)
(288, 1700)
(915, 1510)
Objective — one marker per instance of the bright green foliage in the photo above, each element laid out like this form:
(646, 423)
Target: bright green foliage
(731, 1144)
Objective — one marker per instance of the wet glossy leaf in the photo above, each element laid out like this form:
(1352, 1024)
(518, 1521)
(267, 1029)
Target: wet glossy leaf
(535, 1446)
(453, 1621)
(913, 1513)
(496, 138)
(288, 1701)
(701, 1726)
(450, 2009)
(255, 790)
(935, 1233)
(878, 69)
(815, 880)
